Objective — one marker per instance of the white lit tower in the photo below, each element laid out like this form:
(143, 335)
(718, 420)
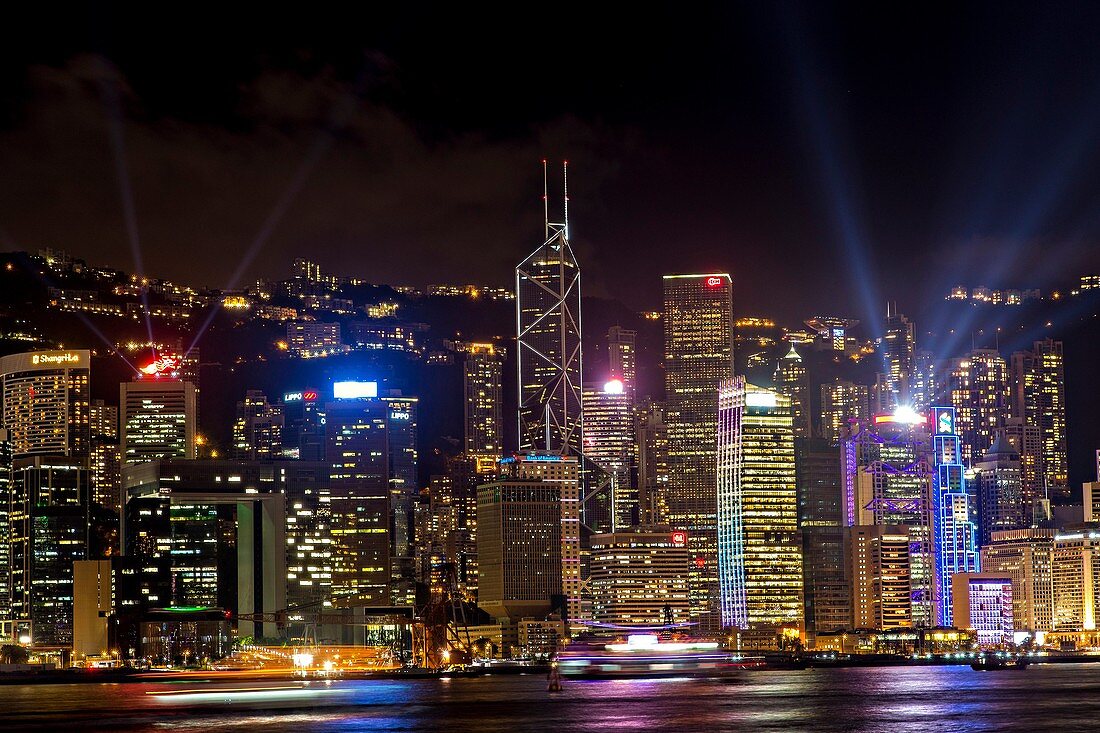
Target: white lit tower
(954, 533)
(548, 329)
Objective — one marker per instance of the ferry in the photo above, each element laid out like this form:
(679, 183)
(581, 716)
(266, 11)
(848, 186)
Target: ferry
(648, 655)
(995, 664)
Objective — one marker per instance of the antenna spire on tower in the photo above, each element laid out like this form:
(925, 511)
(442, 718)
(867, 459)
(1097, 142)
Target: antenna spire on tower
(545, 203)
(565, 182)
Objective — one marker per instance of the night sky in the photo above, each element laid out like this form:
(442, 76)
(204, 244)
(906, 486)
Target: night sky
(828, 157)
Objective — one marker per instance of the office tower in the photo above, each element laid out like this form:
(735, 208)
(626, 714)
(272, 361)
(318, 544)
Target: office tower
(46, 400)
(879, 566)
(48, 519)
(843, 404)
(888, 482)
(483, 374)
(357, 452)
(93, 605)
(898, 345)
(303, 425)
(652, 439)
(548, 319)
(309, 539)
(622, 358)
(5, 524)
(759, 547)
(105, 455)
(1076, 582)
(698, 318)
(209, 533)
(923, 387)
(521, 536)
(818, 472)
(977, 387)
(609, 452)
(639, 577)
(1039, 398)
(158, 419)
(401, 431)
(791, 380)
(1001, 504)
(983, 604)
(258, 429)
(1026, 557)
(954, 535)
(1025, 440)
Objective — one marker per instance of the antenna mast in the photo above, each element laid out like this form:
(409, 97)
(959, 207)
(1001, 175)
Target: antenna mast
(565, 181)
(545, 204)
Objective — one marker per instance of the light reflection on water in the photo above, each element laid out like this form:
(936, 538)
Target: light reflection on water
(910, 699)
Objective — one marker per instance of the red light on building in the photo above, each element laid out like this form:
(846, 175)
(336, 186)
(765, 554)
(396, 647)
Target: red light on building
(679, 538)
(700, 561)
(163, 366)
(714, 282)
(310, 395)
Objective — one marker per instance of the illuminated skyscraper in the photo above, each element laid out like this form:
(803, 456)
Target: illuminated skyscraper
(897, 351)
(1024, 439)
(953, 531)
(1025, 556)
(1039, 398)
(639, 577)
(158, 419)
(258, 429)
(977, 387)
(609, 447)
(49, 515)
(622, 358)
(923, 387)
(698, 319)
(548, 321)
(879, 565)
(1001, 503)
(106, 455)
(401, 429)
(843, 403)
(652, 438)
(818, 472)
(1076, 582)
(888, 482)
(759, 547)
(46, 398)
(528, 537)
(357, 452)
(791, 380)
(482, 378)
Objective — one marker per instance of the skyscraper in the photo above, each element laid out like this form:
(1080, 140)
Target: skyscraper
(878, 561)
(1039, 398)
(1025, 556)
(49, 516)
(953, 531)
(898, 345)
(105, 455)
(791, 380)
(157, 412)
(1001, 503)
(639, 577)
(258, 429)
(652, 437)
(818, 472)
(483, 403)
(357, 452)
(609, 447)
(46, 398)
(548, 321)
(843, 402)
(977, 387)
(698, 320)
(759, 548)
(401, 430)
(622, 358)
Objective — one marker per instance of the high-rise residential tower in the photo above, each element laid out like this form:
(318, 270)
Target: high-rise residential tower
(977, 387)
(698, 323)
(759, 547)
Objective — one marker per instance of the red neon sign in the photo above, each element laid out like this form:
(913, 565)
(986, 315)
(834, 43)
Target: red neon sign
(700, 561)
(310, 395)
(714, 282)
(679, 538)
(163, 366)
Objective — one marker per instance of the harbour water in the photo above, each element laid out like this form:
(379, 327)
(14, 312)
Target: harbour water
(910, 699)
